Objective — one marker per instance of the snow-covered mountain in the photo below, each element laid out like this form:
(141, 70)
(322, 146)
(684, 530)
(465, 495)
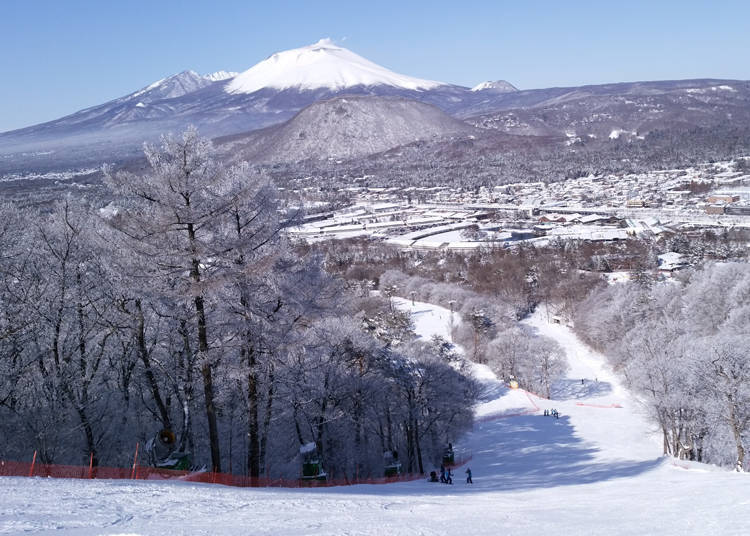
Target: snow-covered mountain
(498, 86)
(273, 91)
(346, 127)
(171, 87)
(136, 105)
(322, 65)
(224, 102)
(118, 120)
(615, 111)
(220, 75)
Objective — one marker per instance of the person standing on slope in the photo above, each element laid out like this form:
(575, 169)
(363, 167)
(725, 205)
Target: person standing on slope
(468, 476)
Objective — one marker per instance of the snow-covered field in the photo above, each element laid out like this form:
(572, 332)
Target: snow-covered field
(595, 470)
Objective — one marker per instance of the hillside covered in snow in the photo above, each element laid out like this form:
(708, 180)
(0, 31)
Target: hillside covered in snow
(347, 127)
(594, 470)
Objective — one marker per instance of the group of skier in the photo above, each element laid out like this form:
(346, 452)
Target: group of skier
(446, 475)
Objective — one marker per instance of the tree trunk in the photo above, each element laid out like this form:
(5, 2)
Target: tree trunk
(419, 447)
(322, 415)
(267, 417)
(213, 431)
(208, 387)
(409, 446)
(358, 439)
(300, 437)
(186, 437)
(145, 359)
(253, 427)
(737, 432)
(89, 432)
(389, 427)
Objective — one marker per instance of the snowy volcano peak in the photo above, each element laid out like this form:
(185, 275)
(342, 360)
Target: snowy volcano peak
(498, 86)
(321, 65)
(326, 42)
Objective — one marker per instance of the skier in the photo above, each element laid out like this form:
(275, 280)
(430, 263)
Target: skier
(449, 476)
(442, 474)
(468, 476)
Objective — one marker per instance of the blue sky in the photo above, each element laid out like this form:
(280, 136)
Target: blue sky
(57, 57)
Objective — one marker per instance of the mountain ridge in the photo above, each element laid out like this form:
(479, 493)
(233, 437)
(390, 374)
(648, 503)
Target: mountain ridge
(116, 130)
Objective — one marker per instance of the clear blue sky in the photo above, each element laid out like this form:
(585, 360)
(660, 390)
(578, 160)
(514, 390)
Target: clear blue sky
(57, 57)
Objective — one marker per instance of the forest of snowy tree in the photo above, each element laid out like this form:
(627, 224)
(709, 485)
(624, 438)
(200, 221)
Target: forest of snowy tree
(683, 347)
(181, 305)
(679, 343)
(489, 332)
(469, 164)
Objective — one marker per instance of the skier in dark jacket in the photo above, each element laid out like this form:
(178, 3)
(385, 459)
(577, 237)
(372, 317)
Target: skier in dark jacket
(468, 476)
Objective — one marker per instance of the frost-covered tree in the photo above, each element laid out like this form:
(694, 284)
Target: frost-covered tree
(680, 345)
(193, 227)
(546, 363)
(57, 336)
(535, 362)
(724, 363)
(112, 320)
(436, 402)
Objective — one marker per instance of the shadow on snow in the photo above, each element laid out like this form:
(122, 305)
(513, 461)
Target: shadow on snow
(518, 454)
(567, 389)
(534, 451)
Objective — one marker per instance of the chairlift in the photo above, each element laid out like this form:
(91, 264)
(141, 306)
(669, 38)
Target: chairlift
(448, 455)
(392, 467)
(162, 452)
(312, 468)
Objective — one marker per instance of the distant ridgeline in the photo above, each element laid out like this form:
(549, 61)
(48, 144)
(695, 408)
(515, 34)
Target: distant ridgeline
(332, 112)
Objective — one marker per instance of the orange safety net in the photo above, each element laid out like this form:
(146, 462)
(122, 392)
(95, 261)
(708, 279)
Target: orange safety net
(27, 469)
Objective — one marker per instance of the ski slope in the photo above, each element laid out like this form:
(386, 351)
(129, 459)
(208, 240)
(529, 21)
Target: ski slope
(595, 470)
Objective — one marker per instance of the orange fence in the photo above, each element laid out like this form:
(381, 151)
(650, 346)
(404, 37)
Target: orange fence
(10, 468)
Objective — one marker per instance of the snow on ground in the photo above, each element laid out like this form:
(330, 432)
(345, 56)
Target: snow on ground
(595, 470)
(429, 320)
(617, 277)
(601, 410)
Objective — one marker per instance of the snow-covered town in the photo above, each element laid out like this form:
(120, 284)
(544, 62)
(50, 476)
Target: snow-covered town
(710, 197)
